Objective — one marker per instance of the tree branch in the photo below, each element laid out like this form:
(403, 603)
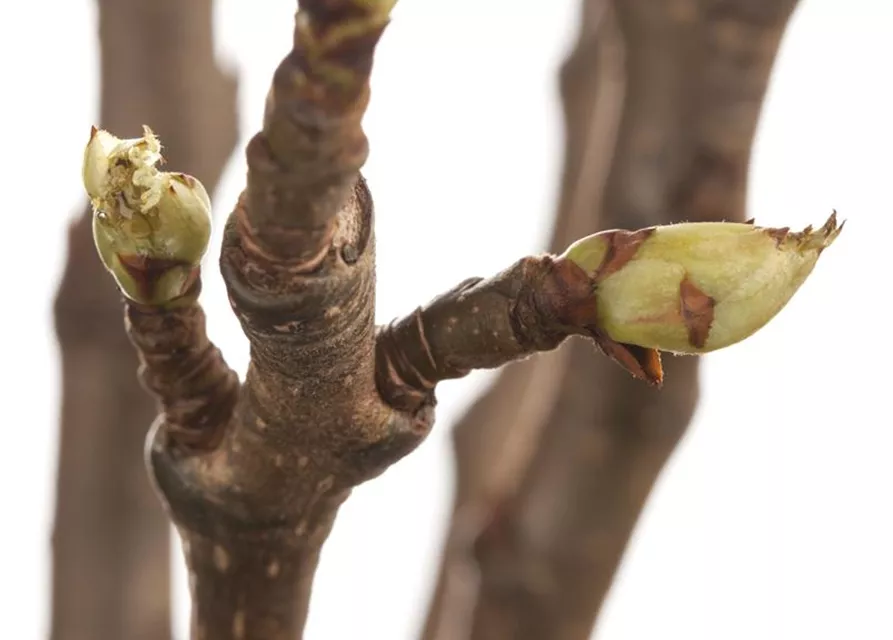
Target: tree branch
(303, 164)
(695, 79)
(327, 403)
(686, 288)
(696, 84)
(111, 539)
(495, 439)
(482, 324)
(197, 391)
(298, 260)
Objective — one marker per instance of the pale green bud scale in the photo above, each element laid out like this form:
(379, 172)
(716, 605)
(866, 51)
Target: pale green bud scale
(696, 287)
(151, 227)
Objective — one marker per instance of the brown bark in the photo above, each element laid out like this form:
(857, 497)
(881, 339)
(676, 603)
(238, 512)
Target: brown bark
(532, 306)
(111, 539)
(495, 439)
(535, 540)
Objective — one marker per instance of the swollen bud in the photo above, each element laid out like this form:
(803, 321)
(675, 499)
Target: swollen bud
(696, 287)
(151, 227)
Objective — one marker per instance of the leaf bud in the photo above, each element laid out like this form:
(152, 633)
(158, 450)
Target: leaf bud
(696, 287)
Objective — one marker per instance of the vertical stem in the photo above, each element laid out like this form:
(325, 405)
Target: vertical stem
(298, 262)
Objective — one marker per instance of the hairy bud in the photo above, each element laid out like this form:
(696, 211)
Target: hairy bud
(696, 287)
(151, 227)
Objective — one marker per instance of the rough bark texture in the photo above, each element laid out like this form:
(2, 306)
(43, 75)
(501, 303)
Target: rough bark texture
(536, 539)
(111, 539)
(532, 306)
(298, 259)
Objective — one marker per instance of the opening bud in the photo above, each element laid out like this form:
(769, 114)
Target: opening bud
(151, 227)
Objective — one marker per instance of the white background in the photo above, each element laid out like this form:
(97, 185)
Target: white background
(771, 521)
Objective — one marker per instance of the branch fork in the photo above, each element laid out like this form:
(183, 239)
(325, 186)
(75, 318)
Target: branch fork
(329, 400)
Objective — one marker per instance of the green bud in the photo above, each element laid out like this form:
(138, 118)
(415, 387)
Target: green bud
(696, 287)
(151, 227)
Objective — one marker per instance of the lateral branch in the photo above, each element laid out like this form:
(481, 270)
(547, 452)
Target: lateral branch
(532, 306)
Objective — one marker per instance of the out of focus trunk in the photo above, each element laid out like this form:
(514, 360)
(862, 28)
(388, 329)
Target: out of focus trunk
(555, 463)
(111, 552)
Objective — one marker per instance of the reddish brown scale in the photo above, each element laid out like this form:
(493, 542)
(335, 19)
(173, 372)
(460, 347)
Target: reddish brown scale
(697, 312)
(147, 271)
(622, 247)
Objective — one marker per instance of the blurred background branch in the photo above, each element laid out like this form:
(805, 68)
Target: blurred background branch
(111, 552)
(556, 462)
